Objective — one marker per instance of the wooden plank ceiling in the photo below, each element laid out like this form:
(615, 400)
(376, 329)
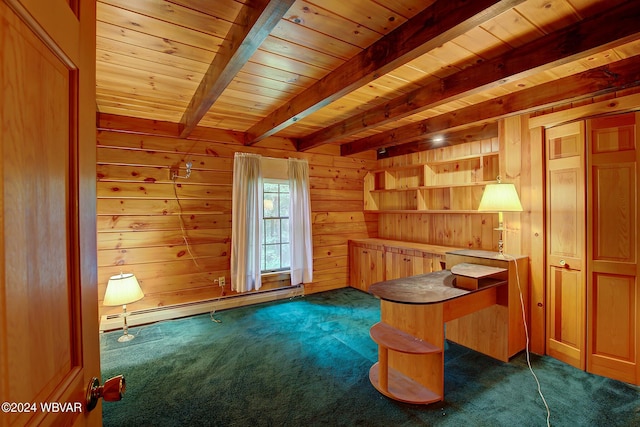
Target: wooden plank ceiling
(365, 74)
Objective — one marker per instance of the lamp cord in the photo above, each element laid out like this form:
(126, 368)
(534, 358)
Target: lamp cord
(526, 331)
(186, 241)
(182, 226)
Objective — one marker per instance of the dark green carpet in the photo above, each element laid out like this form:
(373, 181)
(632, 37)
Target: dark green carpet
(305, 362)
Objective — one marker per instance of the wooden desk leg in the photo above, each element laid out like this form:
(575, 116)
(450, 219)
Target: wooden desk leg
(383, 367)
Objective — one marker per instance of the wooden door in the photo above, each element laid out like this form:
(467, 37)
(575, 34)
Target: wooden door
(422, 263)
(48, 294)
(360, 263)
(613, 294)
(406, 262)
(398, 264)
(366, 266)
(565, 222)
(372, 263)
(354, 265)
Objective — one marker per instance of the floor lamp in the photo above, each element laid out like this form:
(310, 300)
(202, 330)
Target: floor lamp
(500, 198)
(123, 289)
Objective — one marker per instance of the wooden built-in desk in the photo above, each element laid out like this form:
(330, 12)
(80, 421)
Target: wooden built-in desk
(414, 310)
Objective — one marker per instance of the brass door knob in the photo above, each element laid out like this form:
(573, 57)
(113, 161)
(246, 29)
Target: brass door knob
(112, 390)
(563, 262)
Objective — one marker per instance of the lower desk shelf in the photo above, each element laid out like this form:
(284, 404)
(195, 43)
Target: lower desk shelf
(401, 387)
(392, 338)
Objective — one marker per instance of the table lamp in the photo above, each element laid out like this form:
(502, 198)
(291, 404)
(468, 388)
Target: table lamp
(500, 198)
(123, 289)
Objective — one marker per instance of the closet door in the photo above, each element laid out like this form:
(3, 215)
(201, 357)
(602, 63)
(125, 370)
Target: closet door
(565, 223)
(613, 293)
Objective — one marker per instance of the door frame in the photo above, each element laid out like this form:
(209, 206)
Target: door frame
(67, 30)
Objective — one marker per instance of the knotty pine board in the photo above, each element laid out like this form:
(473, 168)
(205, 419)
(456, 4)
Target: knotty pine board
(473, 231)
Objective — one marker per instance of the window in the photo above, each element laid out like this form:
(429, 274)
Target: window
(275, 240)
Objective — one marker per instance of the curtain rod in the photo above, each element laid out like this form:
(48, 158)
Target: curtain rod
(272, 158)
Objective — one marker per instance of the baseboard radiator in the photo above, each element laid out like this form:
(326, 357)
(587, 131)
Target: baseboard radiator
(110, 322)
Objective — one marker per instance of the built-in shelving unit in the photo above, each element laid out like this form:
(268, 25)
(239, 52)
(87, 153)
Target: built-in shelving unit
(454, 185)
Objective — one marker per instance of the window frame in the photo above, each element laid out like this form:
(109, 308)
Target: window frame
(263, 239)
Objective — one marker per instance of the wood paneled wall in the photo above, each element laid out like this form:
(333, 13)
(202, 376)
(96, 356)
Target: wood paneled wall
(143, 218)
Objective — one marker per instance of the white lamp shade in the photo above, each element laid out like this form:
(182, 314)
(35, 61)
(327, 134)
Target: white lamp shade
(122, 289)
(500, 198)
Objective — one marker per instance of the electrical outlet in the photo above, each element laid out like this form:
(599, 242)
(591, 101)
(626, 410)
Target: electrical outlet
(221, 281)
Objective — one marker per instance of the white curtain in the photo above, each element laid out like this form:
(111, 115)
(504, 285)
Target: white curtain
(246, 222)
(300, 222)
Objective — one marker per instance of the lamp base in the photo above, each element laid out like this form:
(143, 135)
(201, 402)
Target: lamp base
(500, 255)
(126, 337)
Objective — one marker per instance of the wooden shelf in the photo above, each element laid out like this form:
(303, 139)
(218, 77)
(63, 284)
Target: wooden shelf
(390, 245)
(475, 276)
(462, 158)
(434, 187)
(428, 211)
(399, 168)
(397, 340)
(438, 162)
(453, 185)
(402, 388)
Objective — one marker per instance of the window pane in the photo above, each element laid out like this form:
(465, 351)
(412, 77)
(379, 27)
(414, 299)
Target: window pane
(269, 205)
(272, 257)
(284, 230)
(284, 204)
(270, 188)
(271, 231)
(276, 204)
(286, 257)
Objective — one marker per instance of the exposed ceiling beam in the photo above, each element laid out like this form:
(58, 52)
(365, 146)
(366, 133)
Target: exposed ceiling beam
(253, 24)
(612, 28)
(441, 22)
(608, 78)
(477, 133)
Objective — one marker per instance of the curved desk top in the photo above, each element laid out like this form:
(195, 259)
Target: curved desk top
(429, 288)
